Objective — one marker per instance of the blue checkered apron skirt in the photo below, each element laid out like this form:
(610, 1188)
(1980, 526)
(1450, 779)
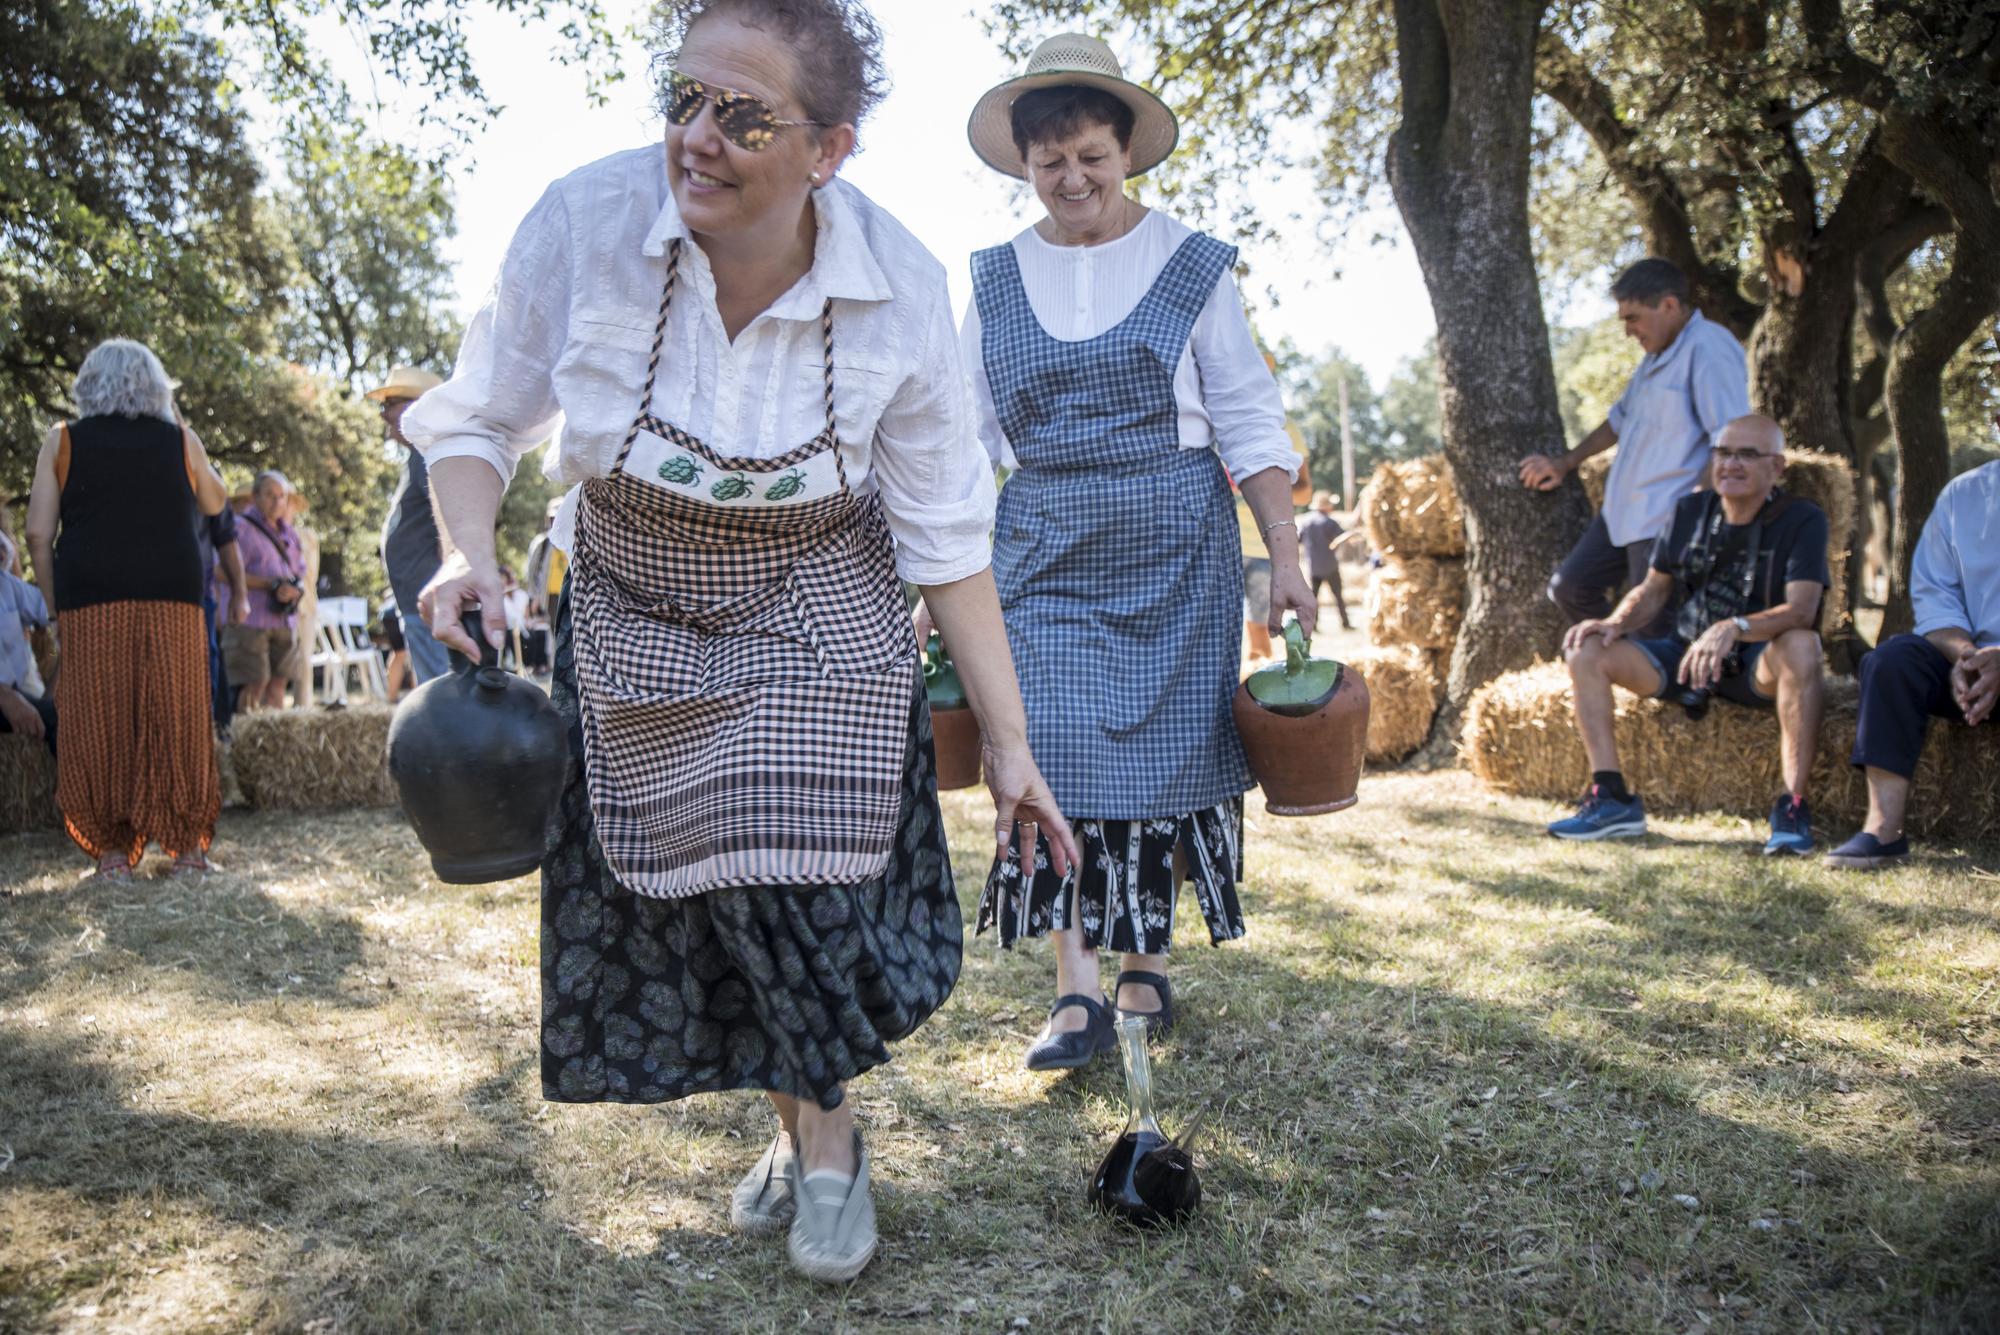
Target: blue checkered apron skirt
(1117, 557)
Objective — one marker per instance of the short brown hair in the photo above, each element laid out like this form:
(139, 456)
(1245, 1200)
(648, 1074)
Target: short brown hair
(1051, 115)
(836, 45)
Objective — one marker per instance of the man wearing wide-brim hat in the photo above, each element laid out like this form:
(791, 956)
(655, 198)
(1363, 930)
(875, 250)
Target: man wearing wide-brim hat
(410, 551)
(1111, 358)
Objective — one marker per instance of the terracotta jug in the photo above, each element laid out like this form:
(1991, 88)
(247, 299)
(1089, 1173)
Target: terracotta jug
(1304, 726)
(479, 756)
(954, 727)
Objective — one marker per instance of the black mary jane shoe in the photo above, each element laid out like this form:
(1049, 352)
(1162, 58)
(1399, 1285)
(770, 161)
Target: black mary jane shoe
(1161, 1021)
(1066, 1052)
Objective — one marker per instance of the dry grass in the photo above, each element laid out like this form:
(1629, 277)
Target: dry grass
(1519, 737)
(1417, 601)
(27, 785)
(1412, 509)
(1403, 697)
(1464, 1076)
(296, 759)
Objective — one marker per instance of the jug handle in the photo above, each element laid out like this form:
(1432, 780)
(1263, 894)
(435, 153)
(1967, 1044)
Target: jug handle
(487, 669)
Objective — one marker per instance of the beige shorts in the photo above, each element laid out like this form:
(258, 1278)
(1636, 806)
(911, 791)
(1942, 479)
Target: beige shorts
(253, 655)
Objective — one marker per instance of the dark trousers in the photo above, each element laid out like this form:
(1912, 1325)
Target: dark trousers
(221, 700)
(1905, 683)
(1594, 572)
(1339, 601)
(44, 705)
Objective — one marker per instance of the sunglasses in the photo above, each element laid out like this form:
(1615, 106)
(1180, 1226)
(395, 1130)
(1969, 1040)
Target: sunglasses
(1742, 456)
(745, 120)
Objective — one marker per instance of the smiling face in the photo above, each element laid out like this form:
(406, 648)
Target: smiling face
(1749, 458)
(722, 189)
(1081, 182)
(1655, 326)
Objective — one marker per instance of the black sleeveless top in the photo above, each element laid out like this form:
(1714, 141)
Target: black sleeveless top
(128, 528)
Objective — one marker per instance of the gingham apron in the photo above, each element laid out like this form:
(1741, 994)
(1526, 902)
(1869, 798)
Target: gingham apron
(1115, 551)
(744, 660)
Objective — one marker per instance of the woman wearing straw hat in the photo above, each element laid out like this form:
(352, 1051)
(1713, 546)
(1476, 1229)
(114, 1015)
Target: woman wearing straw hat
(764, 417)
(1111, 358)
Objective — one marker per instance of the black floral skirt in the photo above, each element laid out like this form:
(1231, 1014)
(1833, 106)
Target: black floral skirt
(792, 989)
(1124, 893)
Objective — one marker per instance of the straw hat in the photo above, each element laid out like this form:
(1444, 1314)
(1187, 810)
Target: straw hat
(1071, 59)
(404, 382)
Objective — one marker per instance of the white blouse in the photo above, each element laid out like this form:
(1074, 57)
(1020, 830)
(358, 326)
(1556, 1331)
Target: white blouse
(1227, 397)
(563, 340)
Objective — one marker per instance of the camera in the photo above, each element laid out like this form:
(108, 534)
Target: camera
(295, 584)
(1694, 699)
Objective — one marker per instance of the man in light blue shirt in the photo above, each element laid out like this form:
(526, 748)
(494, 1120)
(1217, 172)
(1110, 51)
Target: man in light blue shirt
(25, 704)
(1692, 382)
(1948, 667)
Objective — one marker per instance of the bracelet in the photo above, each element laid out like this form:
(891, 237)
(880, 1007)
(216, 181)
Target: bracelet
(1282, 523)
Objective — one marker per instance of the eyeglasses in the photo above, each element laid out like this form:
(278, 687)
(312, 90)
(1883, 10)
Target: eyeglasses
(1730, 456)
(745, 120)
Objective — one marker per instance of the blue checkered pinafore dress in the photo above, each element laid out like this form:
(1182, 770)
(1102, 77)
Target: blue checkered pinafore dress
(1116, 551)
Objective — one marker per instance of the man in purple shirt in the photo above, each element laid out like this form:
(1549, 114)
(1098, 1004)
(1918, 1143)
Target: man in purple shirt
(254, 652)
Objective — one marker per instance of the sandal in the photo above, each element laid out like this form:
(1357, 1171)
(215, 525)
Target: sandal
(762, 1202)
(1066, 1052)
(833, 1235)
(1161, 1021)
(191, 864)
(112, 868)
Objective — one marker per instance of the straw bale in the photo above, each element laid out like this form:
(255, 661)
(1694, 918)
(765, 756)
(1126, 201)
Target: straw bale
(27, 785)
(300, 758)
(1412, 509)
(1520, 737)
(1403, 698)
(1592, 473)
(1418, 601)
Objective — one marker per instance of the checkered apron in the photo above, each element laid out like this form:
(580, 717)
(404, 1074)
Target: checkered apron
(744, 660)
(1116, 551)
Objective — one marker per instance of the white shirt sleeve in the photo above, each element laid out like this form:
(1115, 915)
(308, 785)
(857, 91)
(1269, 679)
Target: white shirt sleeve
(500, 402)
(986, 418)
(1237, 388)
(935, 479)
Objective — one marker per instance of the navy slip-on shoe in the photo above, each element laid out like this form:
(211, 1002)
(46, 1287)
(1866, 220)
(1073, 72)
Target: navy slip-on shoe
(1864, 852)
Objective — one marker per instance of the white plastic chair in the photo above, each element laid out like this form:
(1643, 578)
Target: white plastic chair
(341, 646)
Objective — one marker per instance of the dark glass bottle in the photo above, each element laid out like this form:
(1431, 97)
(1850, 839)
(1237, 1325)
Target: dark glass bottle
(1145, 1179)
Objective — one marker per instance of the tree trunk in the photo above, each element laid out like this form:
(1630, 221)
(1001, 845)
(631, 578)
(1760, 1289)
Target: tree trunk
(1458, 164)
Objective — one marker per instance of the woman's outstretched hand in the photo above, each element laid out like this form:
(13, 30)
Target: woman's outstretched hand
(457, 588)
(1021, 797)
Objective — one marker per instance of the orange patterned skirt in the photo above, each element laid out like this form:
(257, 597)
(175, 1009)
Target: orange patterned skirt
(138, 746)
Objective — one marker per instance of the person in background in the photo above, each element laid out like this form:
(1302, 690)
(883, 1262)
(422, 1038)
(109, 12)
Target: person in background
(256, 653)
(516, 600)
(118, 496)
(1692, 381)
(548, 566)
(410, 548)
(225, 601)
(1110, 355)
(397, 669)
(305, 636)
(1948, 666)
(26, 706)
(1318, 532)
(1749, 565)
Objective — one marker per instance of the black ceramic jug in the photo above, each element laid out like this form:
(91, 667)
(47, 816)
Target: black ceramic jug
(479, 756)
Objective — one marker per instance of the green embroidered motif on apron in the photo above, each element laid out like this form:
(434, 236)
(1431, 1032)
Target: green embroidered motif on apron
(744, 660)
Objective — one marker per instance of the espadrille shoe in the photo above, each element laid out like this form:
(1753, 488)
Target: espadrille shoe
(833, 1236)
(762, 1201)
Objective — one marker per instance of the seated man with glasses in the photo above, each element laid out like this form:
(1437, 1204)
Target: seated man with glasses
(1749, 563)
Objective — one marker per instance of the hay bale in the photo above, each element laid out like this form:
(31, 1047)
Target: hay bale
(301, 758)
(1823, 479)
(1417, 601)
(1412, 509)
(1520, 737)
(1403, 698)
(27, 785)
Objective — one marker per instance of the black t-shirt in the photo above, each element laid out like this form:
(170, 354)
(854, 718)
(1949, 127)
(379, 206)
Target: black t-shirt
(1790, 547)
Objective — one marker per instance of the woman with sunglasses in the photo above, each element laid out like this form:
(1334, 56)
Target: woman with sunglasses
(764, 415)
(1111, 358)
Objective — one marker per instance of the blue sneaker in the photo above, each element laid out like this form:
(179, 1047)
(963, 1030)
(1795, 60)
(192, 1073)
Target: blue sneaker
(1864, 852)
(1602, 817)
(1791, 828)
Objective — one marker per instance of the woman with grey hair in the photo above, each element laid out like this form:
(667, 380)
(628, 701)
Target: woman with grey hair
(747, 885)
(111, 526)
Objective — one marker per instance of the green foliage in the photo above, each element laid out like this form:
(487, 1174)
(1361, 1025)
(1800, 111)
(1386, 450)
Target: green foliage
(1593, 364)
(1399, 423)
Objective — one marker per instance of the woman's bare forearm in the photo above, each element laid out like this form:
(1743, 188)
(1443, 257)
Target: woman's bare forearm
(465, 496)
(1268, 492)
(967, 614)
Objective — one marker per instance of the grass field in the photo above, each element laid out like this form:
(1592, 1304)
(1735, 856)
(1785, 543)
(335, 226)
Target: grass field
(1463, 1078)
